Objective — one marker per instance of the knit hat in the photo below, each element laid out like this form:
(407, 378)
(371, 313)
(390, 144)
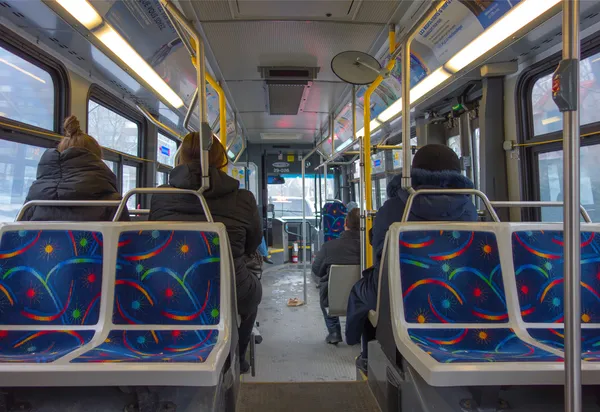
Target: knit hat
(435, 158)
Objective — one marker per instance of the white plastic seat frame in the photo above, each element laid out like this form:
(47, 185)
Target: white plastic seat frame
(476, 373)
(63, 373)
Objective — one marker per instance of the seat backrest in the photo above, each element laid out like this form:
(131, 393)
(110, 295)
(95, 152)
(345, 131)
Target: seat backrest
(50, 275)
(168, 276)
(538, 251)
(334, 214)
(341, 280)
(448, 273)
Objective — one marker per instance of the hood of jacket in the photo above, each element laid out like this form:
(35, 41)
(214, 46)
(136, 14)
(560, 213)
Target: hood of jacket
(189, 176)
(75, 174)
(434, 207)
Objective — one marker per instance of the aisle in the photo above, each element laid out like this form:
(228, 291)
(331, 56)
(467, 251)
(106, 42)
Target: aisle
(293, 347)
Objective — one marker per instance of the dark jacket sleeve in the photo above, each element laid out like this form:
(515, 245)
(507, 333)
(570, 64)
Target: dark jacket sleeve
(254, 233)
(319, 267)
(389, 213)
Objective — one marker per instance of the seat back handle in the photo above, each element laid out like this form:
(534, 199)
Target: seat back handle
(157, 191)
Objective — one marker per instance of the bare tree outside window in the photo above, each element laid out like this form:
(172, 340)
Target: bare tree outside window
(112, 130)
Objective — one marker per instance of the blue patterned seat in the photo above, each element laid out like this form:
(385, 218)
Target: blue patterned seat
(334, 214)
(538, 266)
(164, 277)
(449, 306)
(48, 278)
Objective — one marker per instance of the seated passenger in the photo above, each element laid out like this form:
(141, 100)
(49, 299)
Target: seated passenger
(73, 171)
(344, 250)
(434, 167)
(234, 207)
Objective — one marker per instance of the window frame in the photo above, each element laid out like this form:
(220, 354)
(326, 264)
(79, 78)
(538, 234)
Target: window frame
(529, 170)
(60, 79)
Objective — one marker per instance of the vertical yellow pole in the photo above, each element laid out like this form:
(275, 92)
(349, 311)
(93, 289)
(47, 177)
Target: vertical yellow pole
(367, 144)
(222, 109)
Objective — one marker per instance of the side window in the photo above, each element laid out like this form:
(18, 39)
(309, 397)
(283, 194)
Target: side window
(27, 92)
(130, 181)
(454, 144)
(113, 130)
(166, 150)
(545, 115)
(18, 169)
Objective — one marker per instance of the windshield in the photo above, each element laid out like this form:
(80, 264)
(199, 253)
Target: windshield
(291, 207)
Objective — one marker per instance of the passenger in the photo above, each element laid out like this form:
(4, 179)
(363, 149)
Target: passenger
(344, 250)
(234, 207)
(73, 171)
(434, 167)
(351, 205)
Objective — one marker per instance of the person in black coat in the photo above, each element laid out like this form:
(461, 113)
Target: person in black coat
(73, 171)
(344, 250)
(434, 166)
(234, 207)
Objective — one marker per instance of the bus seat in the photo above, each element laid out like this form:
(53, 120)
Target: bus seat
(537, 253)
(341, 280)
(159, 310)
(50, 291)
(452, 317)
(334, 214)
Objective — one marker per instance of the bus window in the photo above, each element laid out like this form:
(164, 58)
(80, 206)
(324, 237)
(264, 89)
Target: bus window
(166, 149)
(476, 157)
(546, 116)
(161, 178)
(454, 144)
(18, 169)
(374, 195)
(356, 186)
(26, 92)
(550, 165)
(113, 130)
(130, 182)
(111, 165)
(382, 191)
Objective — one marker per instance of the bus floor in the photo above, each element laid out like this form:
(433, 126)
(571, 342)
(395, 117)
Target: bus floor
(293, 347)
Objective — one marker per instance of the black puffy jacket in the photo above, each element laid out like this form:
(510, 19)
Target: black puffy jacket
(234, 207)
(75, 174)
(344, 250)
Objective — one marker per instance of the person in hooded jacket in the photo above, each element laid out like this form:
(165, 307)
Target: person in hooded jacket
(434, 166)
(234, 207)
(344, 250)
(73, 171)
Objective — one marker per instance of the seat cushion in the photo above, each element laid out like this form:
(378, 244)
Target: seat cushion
(477, 345)
(590, 341)
(50, 277)
(168, 277)
(451, 277)
(40, 346)
(537, 257)
(153, 346)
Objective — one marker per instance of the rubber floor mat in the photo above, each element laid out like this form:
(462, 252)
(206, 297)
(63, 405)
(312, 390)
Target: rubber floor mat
(306, 397)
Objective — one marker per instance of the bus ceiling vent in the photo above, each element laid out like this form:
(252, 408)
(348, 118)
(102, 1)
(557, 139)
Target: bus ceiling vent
(288, 87)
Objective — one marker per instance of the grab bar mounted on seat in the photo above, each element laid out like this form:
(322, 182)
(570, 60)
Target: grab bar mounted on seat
(584, 214)
(150, 191)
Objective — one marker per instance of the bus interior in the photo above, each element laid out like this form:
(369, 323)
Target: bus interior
(307, 98)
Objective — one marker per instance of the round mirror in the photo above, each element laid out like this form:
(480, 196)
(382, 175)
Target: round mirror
(356, 67)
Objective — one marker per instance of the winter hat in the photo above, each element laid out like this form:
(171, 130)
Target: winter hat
(435, 158)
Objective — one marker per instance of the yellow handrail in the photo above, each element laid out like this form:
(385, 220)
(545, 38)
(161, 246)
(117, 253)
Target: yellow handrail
(367, 143)
(222, 101)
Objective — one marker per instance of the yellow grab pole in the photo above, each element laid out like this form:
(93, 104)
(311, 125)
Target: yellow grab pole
(222, 109)
(222, 102)
(367, 144)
